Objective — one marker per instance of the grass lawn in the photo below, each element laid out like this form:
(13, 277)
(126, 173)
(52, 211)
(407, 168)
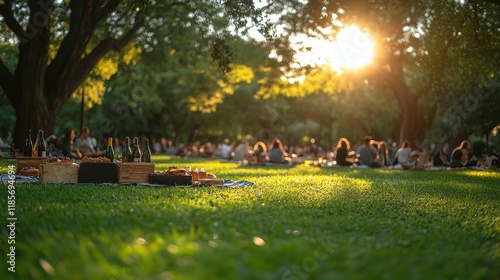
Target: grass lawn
(294, 223)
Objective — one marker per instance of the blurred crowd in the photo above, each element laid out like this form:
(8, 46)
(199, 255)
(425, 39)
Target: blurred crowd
(368, 153)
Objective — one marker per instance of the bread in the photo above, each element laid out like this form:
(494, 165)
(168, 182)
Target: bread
(30, 171)
(95, 159)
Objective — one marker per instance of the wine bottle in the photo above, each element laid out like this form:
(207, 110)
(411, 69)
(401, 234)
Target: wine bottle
(127, 152)
(136, 153)
(42, 146)
(146, 153)
(110, 153)
(28, 145)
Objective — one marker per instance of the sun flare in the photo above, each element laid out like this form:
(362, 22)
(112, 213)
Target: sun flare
(352, 48)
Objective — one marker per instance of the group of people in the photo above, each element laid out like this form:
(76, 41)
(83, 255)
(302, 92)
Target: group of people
(376, 154)
(370, 153)
(260, 153)
(71, 146)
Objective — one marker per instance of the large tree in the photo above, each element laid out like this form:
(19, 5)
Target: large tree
(57, 52)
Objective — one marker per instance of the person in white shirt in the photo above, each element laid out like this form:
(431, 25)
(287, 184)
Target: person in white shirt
(403, 154)
(225, 149)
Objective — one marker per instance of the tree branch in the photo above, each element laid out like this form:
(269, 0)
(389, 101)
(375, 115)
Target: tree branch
(89, 61)
(8, 15)
(103, 11)
(73, 46)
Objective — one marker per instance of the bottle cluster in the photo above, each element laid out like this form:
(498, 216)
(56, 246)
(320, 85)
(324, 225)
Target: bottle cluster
(39, 149)
(132, 152)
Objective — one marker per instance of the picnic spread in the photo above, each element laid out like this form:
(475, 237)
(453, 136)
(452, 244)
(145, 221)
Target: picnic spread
(101, 170)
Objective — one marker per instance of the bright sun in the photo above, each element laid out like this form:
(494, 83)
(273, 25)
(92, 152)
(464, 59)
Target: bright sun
(351, 49)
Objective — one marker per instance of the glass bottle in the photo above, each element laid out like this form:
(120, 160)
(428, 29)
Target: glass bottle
(28, 145)
(42, 145)
(110, 153)
(127, 152)
(136, 153)
(146, 152)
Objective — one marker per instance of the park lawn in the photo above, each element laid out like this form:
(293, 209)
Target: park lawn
(294, 223)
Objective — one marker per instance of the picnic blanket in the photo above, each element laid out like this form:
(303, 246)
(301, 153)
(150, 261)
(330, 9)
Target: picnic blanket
(19, 179)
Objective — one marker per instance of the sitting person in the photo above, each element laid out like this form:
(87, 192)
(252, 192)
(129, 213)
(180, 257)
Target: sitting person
(460, 156)
(241, 152)
(277, 154)
(403, 154)
(226, 149)
(439, 158)
(492, 160)
(342, 149)
(383, 154)
(259, 155)
(366, 152)
(68, 149)
(84, 144)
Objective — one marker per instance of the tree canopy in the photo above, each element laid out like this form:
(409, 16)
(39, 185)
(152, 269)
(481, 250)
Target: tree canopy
(179, 68)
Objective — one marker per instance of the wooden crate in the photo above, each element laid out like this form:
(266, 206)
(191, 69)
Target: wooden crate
(134, 172)
(35, 162)
(97, 172)
(58, 173)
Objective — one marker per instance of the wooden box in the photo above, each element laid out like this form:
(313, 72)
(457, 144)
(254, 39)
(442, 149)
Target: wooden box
(134, 172)
(35, 162)
(58, 173)
(170, 180)
(97, 172)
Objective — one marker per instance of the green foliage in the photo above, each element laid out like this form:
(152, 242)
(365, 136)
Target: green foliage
(432, 52)
(294, 222)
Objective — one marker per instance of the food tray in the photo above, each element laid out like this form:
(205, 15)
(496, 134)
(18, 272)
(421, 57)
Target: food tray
(170, 180)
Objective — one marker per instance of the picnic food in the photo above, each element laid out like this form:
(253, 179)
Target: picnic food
(176, 171)
(95, 159)
(61, 160)
(211, 181)
(29, 171)
(199, 177)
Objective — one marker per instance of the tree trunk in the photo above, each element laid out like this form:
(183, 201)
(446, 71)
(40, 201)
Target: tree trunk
(413, 125)
(35, 112)
(415, 118)
(38, 89)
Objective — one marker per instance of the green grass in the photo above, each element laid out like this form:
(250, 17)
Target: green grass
(294, 223)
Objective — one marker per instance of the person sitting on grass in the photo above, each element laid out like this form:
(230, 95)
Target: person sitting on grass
(383, 154)
(366, 153)
(277, 154)
(259, 155)
(67, 147)
(439, 158)
(460, 156)
(342, 149)
(84, 144)
(403, 154)
(240, 152)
